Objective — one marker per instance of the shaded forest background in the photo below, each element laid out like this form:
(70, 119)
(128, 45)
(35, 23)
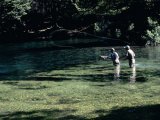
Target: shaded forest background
(134, 21)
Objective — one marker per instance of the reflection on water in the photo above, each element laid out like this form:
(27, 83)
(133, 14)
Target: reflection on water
(132, 73)
(19, 65)
(117, 72)
(132, 78)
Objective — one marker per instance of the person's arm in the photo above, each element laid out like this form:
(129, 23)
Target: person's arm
(124, 56)
(104, 57)
(134, 54)
(117, 56)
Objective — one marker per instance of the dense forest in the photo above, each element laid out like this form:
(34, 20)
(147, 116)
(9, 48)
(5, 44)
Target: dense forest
(134, 21)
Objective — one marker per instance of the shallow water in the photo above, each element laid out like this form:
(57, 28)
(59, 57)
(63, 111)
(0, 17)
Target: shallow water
(18, 63)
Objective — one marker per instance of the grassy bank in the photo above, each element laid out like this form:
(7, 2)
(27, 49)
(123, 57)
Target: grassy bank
(82, 92)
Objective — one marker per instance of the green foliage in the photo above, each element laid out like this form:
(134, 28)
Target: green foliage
(154, 33)
(10, 17)
(101, 6)
(15, 8)
(129, 17)
(20, 8)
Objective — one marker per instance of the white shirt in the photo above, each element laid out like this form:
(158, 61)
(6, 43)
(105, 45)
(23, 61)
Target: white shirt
(130, 54)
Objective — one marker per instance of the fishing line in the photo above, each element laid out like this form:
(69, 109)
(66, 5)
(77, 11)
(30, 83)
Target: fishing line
(85, 33)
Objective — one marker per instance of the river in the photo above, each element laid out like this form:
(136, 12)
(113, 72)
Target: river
(18, 61)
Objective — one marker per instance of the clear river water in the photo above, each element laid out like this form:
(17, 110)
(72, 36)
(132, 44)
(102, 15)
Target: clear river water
(18, 61)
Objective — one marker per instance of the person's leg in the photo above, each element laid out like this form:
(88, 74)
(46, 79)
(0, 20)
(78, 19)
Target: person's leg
(117, 72)
(130, 63)
(133, 75)
(133, 62)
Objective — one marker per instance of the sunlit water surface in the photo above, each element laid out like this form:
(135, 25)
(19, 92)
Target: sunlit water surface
(18, 63)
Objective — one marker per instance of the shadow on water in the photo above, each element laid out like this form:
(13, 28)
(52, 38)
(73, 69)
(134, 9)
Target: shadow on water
(26, 86)
(125, 76)
(42, 115)
(59, 79)
(103, 75)
(151, 112)
(86, 77)
(20, 65)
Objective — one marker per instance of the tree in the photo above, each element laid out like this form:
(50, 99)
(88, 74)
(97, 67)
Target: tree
(126, 20)
(11, 14)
